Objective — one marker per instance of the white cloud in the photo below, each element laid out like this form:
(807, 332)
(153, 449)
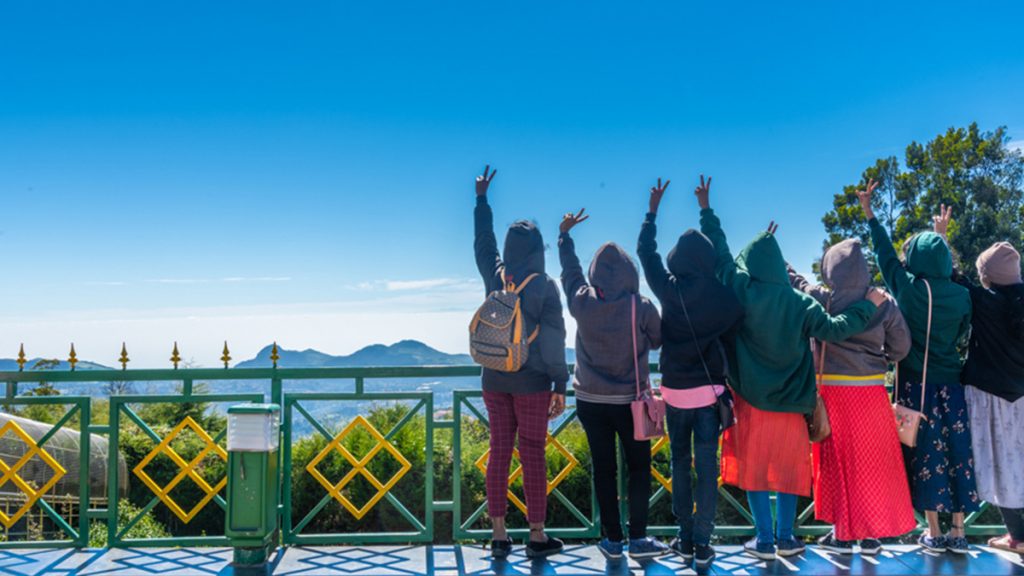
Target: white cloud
(423, 284)
(1017, 145)
(428, 284)
(257, 279)
(229, 279)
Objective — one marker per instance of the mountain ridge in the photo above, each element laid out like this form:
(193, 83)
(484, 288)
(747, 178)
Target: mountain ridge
(401, 353)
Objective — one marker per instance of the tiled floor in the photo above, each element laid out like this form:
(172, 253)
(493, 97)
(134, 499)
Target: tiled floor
(474, 561)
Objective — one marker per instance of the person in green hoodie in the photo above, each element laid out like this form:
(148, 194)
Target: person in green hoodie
(772, 376)
(938, 313)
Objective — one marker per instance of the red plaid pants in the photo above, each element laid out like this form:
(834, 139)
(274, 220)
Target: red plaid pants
(525, 416)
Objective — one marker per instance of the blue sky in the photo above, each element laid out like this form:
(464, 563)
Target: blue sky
(253, 171)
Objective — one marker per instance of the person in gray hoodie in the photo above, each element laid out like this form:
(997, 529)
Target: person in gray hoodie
(609, 312)
(860, 484)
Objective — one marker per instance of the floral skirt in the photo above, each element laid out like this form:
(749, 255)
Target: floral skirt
(767, 451)
(860, 483)
(941, 466)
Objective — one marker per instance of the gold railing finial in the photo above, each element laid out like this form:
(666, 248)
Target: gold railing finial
(21, 359)
(274, 356)
(226, 357)
(72, 357)
(175, 357)
(124, 357)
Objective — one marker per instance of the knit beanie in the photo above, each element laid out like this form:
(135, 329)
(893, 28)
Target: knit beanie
(999, 265)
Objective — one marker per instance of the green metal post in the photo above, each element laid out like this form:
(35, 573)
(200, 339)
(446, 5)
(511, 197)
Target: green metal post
(253, 491)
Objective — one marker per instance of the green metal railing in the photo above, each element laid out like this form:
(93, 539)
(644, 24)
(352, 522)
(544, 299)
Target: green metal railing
(340, 387)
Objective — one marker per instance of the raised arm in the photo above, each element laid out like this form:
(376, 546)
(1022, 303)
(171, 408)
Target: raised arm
(657, 276)
(895, 275)
(711, 226)
(797, 281)
(572, 273)
(485, 245)
(819, 325)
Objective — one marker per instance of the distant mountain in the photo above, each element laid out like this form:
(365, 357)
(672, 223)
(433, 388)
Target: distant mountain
(404, 353)
(11, 365)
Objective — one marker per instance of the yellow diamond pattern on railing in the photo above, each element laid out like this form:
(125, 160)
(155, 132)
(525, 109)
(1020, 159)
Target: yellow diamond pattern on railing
(359, 467)
(188, 469)
(571, 464)
(10, 473)
(655, 448)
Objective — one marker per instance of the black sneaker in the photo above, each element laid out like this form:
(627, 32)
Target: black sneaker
(501, 548)
(682, 548)
(703, 554)
(832, 544)
(870, 547)
(542, 549)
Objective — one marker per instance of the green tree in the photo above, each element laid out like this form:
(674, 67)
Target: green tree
(971, 170)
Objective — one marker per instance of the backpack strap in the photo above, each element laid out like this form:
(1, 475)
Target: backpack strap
(511, 287)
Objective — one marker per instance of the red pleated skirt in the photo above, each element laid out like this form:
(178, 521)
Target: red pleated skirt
(860, 484)
(767, 451)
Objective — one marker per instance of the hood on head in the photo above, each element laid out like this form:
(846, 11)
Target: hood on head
(763, 260)
(843, 267)
(928, 256)
(613, 273)
(693, 255)
(524, 250)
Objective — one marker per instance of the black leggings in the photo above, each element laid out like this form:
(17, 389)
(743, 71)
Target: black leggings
(602, 422)
(1014, 520)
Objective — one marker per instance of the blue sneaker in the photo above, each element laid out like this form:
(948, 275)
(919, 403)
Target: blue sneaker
(682, 548)
(647, 547)
(703, 555)
(790, 547)
(611, 550)
(957, 545)
(758, 549)
(932, 543)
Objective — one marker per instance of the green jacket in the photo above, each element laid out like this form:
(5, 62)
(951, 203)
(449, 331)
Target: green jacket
(771, 365)
(928, 258)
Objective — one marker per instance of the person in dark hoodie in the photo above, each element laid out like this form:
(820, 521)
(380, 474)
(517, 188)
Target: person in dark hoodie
(994, 380)
(772, 374)
(519, 404)
(609, 313)
(697, 310)
(941, 465)
(860, 484)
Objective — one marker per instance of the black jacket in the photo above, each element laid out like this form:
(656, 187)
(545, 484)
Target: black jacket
(541, 303)
(995, 361)
(713, 308)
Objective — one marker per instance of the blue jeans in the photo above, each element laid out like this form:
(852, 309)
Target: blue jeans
(701, 427)
(785, 512)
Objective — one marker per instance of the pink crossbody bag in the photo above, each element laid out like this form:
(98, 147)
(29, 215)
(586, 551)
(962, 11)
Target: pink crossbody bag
(908, 421)
(648, 409)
